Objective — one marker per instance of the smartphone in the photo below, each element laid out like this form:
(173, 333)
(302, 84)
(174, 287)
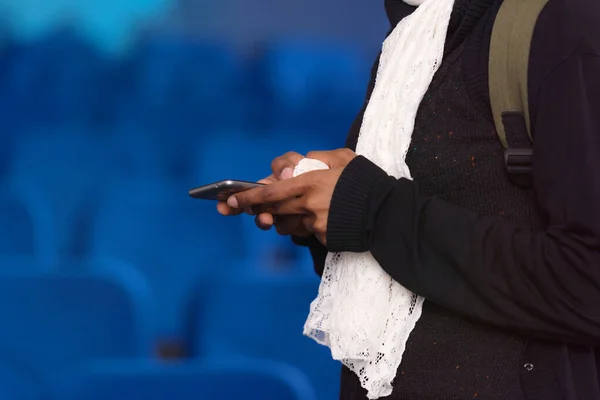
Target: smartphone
(220, 191)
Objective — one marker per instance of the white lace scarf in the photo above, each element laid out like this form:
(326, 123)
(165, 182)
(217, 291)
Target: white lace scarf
(361, 313)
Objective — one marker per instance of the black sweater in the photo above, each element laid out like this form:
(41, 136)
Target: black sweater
(461, 236)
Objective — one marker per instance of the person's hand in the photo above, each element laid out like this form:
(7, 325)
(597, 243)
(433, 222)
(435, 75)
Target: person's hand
(307, 196)
(282, 168)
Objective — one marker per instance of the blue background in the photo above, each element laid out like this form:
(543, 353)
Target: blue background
(114, 284)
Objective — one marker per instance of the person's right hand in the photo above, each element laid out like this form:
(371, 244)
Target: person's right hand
(282, 168)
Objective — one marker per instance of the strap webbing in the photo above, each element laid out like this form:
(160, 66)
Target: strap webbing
(509, 60)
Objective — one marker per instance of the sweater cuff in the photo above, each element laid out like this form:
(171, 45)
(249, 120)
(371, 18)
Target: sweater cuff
(348, 211)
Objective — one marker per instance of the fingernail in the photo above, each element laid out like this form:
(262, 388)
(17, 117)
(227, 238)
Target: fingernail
(287, 173)
(232, 202)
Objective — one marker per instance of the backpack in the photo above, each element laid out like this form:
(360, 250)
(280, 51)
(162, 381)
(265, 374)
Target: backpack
(508, 69)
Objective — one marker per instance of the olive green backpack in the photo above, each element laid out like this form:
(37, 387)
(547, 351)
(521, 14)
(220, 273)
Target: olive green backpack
(508, 73)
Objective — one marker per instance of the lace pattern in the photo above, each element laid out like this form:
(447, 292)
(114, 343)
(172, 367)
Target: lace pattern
(361, 313)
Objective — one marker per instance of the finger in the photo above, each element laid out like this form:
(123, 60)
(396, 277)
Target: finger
(268, 180)
(272, 193)
(291, 206)
(261, 224)
(283, 166)
(322, 237)
(308, 221)
(266, 219)
(226, 210)
(286, 225)
(286, 173)
(323, 156)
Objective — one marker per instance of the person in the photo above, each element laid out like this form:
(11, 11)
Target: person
(511, 276)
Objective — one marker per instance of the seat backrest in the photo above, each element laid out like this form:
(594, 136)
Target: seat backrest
(17, 383)
(26, 222)
(263, 316)
(172, 239)
(223, 379)
(16, 227)
(301, 72)
(51, 80)
(52, 319)
(70, 169)
(186, 85)
(184, 69)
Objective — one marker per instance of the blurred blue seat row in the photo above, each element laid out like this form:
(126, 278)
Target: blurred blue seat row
(96, 157)
(51, 319)
(248, 379)
(177, 81)
(168, 94)
(59, 320)
(261, 316)
(251, 379)
(71, 196)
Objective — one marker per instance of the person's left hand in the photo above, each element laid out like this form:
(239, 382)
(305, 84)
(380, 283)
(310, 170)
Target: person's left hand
(308, 194)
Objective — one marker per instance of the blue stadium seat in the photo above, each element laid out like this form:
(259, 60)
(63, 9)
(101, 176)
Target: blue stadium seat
(315, 84)
(206, 380)
(17, 383)
(209, 65)
(26, 223)
(52, 81)
(184, 87)
(52, 319)
(171, 238)
(299, 70)
(72, 169)
(263, 316)
(187, 85)
(139, 153)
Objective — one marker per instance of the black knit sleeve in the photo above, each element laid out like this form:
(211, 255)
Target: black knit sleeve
(543, 284)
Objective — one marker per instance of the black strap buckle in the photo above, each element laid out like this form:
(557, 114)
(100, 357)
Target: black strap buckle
(519, 166)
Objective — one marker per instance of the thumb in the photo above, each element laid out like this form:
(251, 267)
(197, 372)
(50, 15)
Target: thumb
(283, 166)
(268, 180)
(287, 173)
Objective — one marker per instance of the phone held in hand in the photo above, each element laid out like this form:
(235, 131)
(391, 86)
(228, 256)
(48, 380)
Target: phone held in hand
(220, 191)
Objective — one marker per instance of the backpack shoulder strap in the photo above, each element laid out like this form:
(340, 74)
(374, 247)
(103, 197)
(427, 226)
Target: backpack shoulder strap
(509, 63)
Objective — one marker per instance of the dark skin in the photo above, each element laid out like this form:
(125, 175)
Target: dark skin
(295, 206)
